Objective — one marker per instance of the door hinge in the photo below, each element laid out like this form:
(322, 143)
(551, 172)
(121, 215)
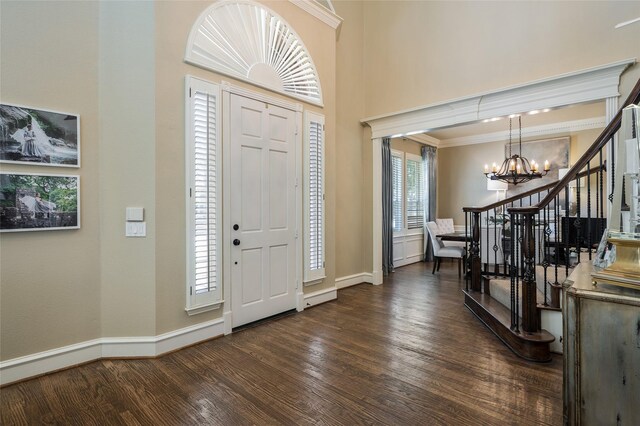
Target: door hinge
(323, 264)
(190, 192)
(189, 91)
(296, 234)
(190, 291)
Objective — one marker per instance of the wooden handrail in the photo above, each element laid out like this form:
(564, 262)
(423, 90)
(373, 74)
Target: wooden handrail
(598, 144)
(529, 192)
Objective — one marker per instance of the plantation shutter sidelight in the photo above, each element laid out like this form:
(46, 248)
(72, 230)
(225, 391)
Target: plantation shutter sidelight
(314, 198)
(204, 275)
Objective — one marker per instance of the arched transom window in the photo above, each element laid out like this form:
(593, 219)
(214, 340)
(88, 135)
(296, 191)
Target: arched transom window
(246, 40)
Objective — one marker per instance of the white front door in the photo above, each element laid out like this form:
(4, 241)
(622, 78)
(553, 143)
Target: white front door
(263, 196)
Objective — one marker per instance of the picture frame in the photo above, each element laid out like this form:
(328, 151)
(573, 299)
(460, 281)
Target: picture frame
(39, 202)
(52, 140)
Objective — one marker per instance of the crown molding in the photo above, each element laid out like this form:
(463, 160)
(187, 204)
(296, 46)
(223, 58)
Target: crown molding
(320, 12)
(582, 86)
(564, 127)
(424, 139)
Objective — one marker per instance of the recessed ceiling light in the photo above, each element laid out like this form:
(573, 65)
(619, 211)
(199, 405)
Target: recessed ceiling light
(534, 112)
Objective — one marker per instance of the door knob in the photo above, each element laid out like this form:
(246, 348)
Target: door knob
(236, 242)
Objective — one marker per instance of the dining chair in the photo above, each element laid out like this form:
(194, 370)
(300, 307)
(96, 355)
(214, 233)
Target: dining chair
(441, 251)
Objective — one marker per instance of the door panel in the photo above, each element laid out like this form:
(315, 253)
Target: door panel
(278, 190)
(262, 173)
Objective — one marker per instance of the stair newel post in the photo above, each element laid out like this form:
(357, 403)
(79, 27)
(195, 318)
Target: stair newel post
(529, 311)
(476, 274)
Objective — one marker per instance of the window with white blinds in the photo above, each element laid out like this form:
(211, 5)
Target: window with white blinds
(415, 187)
(396, 183)
(314, 198)
(204, 283)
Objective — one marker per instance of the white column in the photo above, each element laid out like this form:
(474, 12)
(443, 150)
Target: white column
(377, 211)
(610, 112)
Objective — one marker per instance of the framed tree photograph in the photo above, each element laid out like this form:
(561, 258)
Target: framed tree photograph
(37, 202)
(35, 136)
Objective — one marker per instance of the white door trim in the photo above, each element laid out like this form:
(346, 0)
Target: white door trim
(227, 90)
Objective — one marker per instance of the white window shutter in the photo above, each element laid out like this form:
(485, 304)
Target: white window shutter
(204, 179)
(314, 195)
(396, 182)
(414, 201)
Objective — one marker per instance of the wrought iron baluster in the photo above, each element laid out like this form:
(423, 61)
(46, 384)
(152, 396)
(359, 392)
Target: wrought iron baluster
(546, 255)
(612, 160)
(566, 224)
(577, 222)
(556, 235)
(512, 273)
(466, 249)
(487, 257)
(601, 185)
(495, 243)
(589, 242)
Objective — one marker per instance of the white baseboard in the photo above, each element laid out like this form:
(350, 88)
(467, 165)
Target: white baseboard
(320, 296)
(108, 347)
(349, 280)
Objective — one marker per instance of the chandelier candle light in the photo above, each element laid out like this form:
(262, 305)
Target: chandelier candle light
(516, 169)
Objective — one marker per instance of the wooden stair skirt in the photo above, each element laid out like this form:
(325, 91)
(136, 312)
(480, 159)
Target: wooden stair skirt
(530, 346)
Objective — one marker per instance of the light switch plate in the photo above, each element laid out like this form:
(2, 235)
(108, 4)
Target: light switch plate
(136, 229)
(135, 214)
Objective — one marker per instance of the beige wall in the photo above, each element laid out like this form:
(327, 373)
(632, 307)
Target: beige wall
(119, 65)
(418, 53)
(50, 280)
(126, 94)
(349, 137)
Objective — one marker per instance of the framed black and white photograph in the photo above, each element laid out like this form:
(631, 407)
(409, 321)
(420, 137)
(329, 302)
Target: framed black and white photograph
(30, 202)
(35, 136)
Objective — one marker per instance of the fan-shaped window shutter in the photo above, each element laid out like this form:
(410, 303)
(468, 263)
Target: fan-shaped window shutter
(203, 192)
(396, 182)
(314, 198)
(248, 41)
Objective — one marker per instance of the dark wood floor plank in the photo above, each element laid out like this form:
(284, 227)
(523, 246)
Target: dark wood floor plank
(406, 352)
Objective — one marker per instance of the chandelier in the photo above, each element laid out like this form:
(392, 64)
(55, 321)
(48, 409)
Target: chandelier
(515, 168)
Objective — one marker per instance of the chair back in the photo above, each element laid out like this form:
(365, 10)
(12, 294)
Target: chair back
(445, 226)
(432, 229)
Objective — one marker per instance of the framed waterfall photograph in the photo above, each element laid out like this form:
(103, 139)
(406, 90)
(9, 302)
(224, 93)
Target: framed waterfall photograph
(39, 202)
(36, 136)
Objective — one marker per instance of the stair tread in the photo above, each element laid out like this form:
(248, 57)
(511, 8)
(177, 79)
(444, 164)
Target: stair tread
(503, 315)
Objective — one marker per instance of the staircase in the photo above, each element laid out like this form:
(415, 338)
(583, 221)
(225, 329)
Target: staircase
(523, 248)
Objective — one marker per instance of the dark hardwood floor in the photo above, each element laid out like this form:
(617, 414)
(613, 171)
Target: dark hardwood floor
(404, 353)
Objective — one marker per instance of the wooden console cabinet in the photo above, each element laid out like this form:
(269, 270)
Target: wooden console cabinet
(601, 328)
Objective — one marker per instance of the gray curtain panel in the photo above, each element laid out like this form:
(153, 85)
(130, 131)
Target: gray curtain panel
(429, 171)
(387, 208)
